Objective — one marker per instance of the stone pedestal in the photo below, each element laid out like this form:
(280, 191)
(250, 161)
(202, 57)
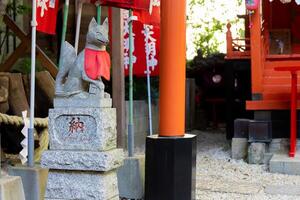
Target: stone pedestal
(170, 172)
(83, 158)
(34, 180)
(11, 188)
(131, 178)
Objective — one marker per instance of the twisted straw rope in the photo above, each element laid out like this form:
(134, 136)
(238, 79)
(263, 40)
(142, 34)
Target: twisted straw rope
(38, 122)
(18, 121)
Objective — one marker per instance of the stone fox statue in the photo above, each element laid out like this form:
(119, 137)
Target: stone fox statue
(88, 67)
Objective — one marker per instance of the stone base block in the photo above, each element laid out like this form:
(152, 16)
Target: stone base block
(170, 172)
(131, 178)
(256, 153)
(241, 128)
(34, 180)
(91, 129)
(113, 198)
(11, 188)
(83, 160)
(283, 164)
(93, 101)
(74, 185)
(239, 148)
(279, 145)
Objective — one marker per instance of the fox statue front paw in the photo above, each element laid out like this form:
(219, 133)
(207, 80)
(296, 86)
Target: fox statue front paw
(97, 87)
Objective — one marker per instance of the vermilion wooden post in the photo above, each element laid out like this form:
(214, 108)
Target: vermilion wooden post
(293, 131)
(256, 53)
(293, 114)
(172, 68)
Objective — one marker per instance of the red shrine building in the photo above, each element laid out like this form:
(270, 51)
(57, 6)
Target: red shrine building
(272, 44)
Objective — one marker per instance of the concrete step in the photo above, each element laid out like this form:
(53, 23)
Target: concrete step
(283, 164)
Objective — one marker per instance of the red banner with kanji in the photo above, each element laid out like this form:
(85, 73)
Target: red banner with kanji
(146, 39)
(46, 13)
(126, 4)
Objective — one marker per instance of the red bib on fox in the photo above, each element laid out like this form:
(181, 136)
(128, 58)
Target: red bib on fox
(96, 64)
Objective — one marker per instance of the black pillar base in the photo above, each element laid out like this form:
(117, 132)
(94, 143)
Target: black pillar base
(170, 168)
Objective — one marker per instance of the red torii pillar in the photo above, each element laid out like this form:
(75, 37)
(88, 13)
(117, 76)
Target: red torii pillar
(171, 155)
(172, 68)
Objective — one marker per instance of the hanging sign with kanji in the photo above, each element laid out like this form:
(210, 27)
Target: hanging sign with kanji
(46, 13)
(146, 40)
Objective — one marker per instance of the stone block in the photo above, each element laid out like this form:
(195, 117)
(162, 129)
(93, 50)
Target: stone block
(260, 131)
(267, 157)
(291, 190)
(93, 101)
(262, 115)
(82, 129)
(11, 188)
(83, 160)
(74, 185)
(113, 198)
(241, 128)
(256, 153)
(131, 178)
(239, 148)
(279, 145)
(282, 163)
(34, 180)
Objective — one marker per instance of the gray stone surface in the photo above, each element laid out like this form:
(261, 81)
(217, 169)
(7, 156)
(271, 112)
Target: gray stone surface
(90, 102)
(83, 160)
(113, 198)
(256, 153)
(267, 157)
(293, 190)
(239, 148)
(11, 188)
(74, 185)
(131, 178)
(282, 163)
(82, 129)
(34, 180)
(279, 145)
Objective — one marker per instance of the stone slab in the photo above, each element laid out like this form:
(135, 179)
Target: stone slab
(90, 102)
(282, 163)
(82, 129)
(34, 180)
(74, 185)
(131, 178)
(226, 186)
(113, 198)
(293, 190)
(279, 145)
(11, 188)
(83, 160)
(256, 153)
(239, 148)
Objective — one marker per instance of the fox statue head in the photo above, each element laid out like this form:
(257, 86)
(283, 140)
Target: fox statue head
(97, 35)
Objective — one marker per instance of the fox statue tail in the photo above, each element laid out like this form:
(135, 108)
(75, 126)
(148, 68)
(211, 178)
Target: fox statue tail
(68, 58)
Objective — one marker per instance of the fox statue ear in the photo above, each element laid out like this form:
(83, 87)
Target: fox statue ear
(105, 23)
(93, 24)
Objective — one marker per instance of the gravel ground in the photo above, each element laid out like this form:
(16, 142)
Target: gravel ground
(220, 177)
